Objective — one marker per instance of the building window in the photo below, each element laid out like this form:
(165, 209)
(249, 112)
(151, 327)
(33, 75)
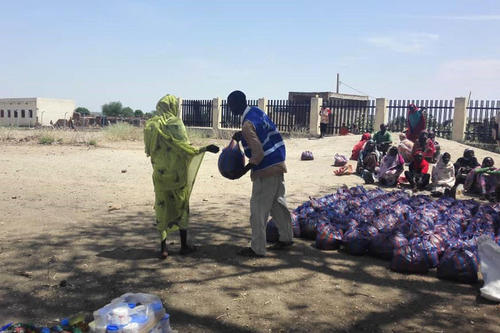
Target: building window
(15, 113)
(8, 113)
(1, 114)
(23, 114)
(31, 113)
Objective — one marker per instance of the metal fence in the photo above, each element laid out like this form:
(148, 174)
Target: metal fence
(439, 115)
(230, 120)
(356, 116)
(197, 112)
(289, 116)
(481, 120)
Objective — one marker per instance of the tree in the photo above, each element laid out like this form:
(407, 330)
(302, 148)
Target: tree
(112, 109)
(138, 113)
(83, 111)
(127, 112)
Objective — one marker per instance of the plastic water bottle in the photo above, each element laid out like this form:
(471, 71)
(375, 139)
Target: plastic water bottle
(165, 324)
(113, 329)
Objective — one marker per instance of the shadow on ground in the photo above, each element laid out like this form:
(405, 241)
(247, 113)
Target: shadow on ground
(116, 253)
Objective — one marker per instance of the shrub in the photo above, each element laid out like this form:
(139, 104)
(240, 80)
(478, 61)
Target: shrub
(46, 139)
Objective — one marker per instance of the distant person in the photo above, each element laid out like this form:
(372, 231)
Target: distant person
(483, 180)
(437, 147)
(464, 165)
(344, 130)
(416, 122)
(405, 148)
(324, 114)
(266, 151)
(391, 167)
(175, 165)
(425, 145)
(358, 147)
(496, 129)
(383, 139)
(443, 176)
(418, 175)
(368, 161)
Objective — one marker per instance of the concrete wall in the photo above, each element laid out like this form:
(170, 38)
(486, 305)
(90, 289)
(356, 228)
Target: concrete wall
(15, 107)
(51, 109)
(36, 111)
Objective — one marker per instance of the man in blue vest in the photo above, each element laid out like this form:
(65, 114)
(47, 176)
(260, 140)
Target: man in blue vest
(265, 150)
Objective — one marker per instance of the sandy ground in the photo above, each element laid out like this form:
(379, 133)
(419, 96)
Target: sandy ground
(76, 232)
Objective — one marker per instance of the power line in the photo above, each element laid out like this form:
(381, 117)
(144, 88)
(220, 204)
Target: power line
(359, 91)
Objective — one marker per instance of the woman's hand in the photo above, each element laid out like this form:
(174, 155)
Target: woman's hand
(213, 149)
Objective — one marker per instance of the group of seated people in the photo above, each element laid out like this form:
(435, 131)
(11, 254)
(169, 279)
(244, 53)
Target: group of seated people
(378, 160)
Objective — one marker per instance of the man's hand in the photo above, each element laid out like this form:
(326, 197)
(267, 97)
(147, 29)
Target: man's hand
(213, 149)
(237, 136)
(245, 170)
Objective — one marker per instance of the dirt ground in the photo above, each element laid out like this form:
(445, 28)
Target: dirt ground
(76, 232)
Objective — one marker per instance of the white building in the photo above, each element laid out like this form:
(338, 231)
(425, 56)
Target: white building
(33, 111)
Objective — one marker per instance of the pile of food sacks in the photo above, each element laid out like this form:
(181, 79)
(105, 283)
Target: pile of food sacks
(416, 233)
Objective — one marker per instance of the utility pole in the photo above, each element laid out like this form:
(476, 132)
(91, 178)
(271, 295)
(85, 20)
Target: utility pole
(338, 82)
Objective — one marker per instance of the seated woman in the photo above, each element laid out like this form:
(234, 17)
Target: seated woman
(358, 147)
(426, 146)
(464, 165)
(443, 176)
(405, 148)
(368, 161)
(437, 147)
(391, 167)
(418, 176)
(483, 180)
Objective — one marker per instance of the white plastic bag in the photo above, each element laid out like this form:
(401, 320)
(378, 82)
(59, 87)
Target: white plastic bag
(489, 256)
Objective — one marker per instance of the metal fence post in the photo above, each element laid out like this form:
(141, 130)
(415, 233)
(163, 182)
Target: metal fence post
(314, 119)
(179, 100)
(216, 113)
(459, 119)
(381, 113)
(262, 104)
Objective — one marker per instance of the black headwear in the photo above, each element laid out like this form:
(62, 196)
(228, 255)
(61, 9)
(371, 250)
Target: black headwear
(237, 102)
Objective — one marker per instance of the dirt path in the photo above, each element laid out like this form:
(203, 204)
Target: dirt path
(70, 214)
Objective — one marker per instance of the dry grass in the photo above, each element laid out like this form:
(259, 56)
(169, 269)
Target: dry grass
(122, 132)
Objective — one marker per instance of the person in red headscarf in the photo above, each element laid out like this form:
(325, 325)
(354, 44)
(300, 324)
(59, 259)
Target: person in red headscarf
(359, 146)
(416, 122)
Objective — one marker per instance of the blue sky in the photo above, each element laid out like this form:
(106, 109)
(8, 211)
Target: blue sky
(136, 51)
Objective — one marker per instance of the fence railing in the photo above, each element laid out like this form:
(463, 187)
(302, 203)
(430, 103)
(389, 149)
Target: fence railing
(356, 116)
(289, 116)
(481, 120)
(439, 115)
(197, 112)
(230, 120)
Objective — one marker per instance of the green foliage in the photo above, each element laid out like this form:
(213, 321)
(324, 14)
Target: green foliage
(83, 111)
(112, 109)
(46, 139)
(138, 113)
(127, 112)
(92, 142)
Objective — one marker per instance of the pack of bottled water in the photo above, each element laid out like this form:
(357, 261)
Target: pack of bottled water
(132, 313)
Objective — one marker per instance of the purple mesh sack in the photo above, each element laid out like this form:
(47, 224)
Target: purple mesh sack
(307, 156)
(272, 233)
(458, 264)
(407, 260)
(328, 237)
(231, 161)
(355, 242)
(295, 225)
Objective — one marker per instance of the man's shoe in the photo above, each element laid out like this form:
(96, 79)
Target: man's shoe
(281, 246)
(248, 252)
